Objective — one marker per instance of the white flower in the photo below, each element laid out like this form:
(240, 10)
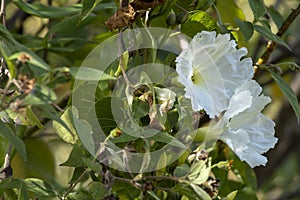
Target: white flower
(244, 128)
(211, 69)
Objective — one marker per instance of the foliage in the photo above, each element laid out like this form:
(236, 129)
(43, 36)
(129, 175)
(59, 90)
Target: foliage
(48, 51)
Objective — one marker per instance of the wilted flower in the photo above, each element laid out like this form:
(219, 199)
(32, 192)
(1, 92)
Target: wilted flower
(166, 99)
(244, 128)
(211, 69)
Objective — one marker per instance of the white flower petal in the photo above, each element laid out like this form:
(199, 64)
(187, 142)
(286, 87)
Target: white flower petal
(247, 131)
(238, 141)
(239, 103)
(211, 69)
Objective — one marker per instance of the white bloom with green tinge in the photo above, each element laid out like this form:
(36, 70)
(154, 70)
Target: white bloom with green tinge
(244, 128)
(211, 69)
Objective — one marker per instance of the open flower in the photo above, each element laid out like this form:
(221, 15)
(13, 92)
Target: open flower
(211, 69)
(244, 128)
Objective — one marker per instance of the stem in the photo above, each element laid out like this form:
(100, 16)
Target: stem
(181, 8)
(70, 189)
(162, 177)
(2, 13)
(271, 44)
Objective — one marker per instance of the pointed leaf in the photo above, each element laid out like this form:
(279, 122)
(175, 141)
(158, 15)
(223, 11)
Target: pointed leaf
(288, 93)
(7, 132)
(257, 7)
(271, 36)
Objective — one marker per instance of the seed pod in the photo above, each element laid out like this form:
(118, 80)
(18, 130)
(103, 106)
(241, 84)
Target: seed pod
(171, 19)
(182, 17)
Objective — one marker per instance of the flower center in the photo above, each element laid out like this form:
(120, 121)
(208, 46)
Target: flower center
(197, 77)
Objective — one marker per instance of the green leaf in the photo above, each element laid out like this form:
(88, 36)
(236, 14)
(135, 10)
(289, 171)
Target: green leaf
(152, 194)
(93, 165)
(191, 191)
(231, 195)
(166, 138)
(85, 134)
(246, 28)
(21, 48)
(276, 16)
(257, 7)
(39, 187)
(27, 118)
(71, 24)
(181, 170)
(76, 157)
(7, 132)
(50, 12)
(271, 36)
(89, 74)
(9, 184)
(197, 22)
(97, 190)
(41, 94)
(23, 193)
(104, 115)
(140, 109)
(32, 119)
(229, 12)
(288, 93)
(87, 7)
(199, 171)
(67, 134)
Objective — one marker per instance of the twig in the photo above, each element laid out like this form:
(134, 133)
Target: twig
(70, 189)
(7, 170)
(272, 44)
(2, 13)
(123, 3)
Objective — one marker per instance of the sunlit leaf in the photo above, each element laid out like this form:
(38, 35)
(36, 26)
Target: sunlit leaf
(68, 135)
(199, 171)
(197, 22)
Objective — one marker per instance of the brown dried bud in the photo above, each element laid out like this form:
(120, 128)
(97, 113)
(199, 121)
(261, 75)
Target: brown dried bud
(24, 58)
(26, 83)
(122, 18)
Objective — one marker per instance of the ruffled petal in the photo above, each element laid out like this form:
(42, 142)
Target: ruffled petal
(217, 61)
(247, 131)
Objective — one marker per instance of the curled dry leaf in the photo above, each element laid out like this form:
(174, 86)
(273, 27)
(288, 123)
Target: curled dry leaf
(122, 18)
